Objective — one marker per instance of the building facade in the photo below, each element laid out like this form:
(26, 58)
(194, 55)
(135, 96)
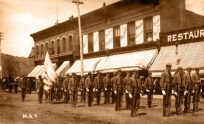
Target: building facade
(122, 27)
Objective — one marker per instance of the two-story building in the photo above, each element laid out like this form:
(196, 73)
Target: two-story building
(125, 35)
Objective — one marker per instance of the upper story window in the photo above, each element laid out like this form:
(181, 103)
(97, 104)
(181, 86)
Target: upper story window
(46, 47)
(58, 46)
(102, 40)
(53, 48)
(116, 36)
(131, 32)
(42, 50)
(69, 45)
(148, 29)
(90, 42)
(64, 44)
(37, 51)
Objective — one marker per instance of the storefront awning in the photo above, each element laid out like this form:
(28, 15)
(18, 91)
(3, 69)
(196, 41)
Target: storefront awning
(63, 68)
(89, 65)
(189, 55)
(128, 61)
(34, 71)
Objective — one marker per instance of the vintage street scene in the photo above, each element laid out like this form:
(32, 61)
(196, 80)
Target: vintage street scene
(101, 62)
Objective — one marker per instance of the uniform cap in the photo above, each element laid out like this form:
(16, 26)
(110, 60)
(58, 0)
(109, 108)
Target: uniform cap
(188, 68)
(168, 65)
(196, 68)
(180, 68)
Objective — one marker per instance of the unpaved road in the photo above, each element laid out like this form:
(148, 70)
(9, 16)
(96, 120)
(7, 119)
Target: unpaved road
(14, 111)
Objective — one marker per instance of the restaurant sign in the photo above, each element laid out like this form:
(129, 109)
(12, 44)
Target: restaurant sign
(188, 34)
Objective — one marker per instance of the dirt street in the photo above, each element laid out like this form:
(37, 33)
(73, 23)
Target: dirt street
(14, 111)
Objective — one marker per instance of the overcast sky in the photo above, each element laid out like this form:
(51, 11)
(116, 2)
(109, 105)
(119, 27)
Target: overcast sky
(20, 18)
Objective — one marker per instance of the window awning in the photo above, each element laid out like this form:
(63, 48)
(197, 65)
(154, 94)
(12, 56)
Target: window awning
(33, 71)
(189, 55)
(128, 61)
(63, 68)
(89, 65)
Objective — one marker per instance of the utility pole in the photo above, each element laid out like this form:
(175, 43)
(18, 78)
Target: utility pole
(1, 38)
(78, 2)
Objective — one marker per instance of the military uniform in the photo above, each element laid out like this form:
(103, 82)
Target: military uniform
(179, 88)
(73, 88)
(136, 86)
(107, 89)
(23, 86)
(89, 89)
(196, 90)
(127, 87)
(66, 89)
(118, 89)
(39, 87)
(83, 89)
(188, 93)
(98, 85)
(149, 86)
(112, 89)
(166, 87)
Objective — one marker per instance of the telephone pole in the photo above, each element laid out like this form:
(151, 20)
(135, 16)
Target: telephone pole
(78, 2)
(1, 38)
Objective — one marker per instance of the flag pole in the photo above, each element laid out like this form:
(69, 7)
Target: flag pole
(78, 2)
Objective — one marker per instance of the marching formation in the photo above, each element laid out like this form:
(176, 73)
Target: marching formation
(114, 86)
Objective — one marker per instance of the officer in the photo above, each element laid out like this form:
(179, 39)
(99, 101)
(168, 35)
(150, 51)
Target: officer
(188, 92)
(66, 89)
(127, 87)
(112, 89)
(149, 86)
(136, 87)
(39, 87)
(57, 90)
(179, 88)
(98, 85)
(73, 88)
(196, 89)
(89, 88)
(107, 88)
(23, 86)
(83, 89)
(166, 87)
(118, 90)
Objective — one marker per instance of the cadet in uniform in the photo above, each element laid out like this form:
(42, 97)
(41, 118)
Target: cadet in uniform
(127, 87)
(188, 92)
(179, 89)
(98, 85)
(39, 87)
(89, 88)
(166, 87)
(73, 87)
(23, 86)
(66, 89)
(107, 88)
(83, 88)
(118, 90)
(149, 86)
(112, 88)
(196, 89)
(136, 86)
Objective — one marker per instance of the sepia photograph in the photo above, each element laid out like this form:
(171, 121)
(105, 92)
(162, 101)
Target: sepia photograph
(101, 61)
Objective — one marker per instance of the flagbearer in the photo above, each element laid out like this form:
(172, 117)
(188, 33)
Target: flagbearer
(107, 88)
(118, 90)
(39, 88)
(98, 85)
(127, 83)
(73, 88)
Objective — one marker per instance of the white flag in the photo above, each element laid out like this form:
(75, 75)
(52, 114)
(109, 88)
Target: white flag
(49, 74)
